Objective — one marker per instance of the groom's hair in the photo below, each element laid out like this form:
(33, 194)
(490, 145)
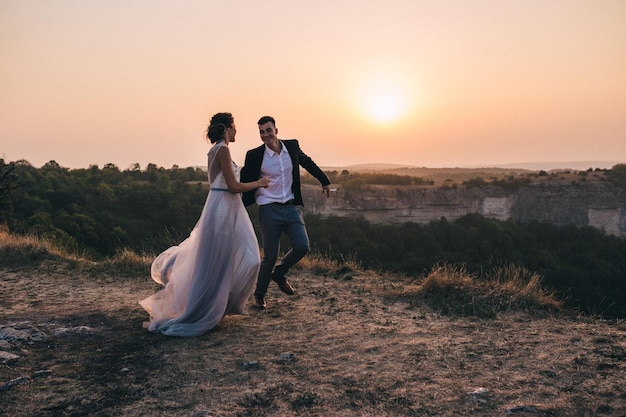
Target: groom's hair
(266, 119)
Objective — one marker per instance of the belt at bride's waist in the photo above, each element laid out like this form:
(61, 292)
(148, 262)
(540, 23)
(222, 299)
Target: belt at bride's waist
(219, 189)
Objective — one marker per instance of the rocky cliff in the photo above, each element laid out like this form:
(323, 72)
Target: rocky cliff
(579, 204)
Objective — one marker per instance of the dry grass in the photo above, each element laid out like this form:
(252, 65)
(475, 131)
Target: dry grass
(28, 250)
(452, 290)
(349, 343)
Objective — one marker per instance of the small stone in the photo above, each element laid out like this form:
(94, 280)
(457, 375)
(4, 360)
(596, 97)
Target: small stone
(478, 394)
(20, 333)
(520, 409)
(250, 364)
(62, 331)
(13, 382)
(7, 356)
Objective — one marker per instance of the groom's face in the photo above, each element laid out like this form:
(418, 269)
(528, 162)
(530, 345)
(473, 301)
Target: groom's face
(268, 133)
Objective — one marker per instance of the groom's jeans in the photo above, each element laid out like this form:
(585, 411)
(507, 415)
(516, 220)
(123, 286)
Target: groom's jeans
(275, 219)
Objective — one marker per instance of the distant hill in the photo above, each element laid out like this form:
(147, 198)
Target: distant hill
(526, 166)
(513, 168)
(369, 167)
(438, 175)
(576, 165)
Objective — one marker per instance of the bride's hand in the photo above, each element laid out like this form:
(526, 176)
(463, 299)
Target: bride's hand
(264, 182)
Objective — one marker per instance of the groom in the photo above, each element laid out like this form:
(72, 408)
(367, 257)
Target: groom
(280, 204)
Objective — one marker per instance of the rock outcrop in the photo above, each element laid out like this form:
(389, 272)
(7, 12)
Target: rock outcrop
(593, 204)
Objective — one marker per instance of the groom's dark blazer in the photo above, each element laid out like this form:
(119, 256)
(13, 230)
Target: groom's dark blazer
(251, 170)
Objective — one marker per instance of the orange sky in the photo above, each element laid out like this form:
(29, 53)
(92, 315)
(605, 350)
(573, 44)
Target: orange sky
(462, 82)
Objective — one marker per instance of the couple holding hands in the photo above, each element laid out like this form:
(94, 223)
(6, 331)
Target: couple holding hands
(213, 272)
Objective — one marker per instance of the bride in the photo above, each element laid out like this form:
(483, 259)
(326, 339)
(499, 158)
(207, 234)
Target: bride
(213, 272)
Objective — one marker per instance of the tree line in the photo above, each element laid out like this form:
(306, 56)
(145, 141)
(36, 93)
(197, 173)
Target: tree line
(99, 211)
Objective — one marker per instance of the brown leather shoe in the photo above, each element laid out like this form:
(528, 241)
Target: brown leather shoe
(283, 284)
(259, 302)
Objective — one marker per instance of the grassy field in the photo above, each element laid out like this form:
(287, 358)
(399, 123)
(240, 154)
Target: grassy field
(349, 343)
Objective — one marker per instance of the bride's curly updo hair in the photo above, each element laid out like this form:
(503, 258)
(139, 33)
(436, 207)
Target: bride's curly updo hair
(218, 125)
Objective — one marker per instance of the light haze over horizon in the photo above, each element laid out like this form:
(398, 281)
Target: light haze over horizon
(420, 83)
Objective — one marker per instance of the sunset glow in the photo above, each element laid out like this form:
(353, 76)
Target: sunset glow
(386, 104)
(385, 108)
(384, 95)
(444, 83)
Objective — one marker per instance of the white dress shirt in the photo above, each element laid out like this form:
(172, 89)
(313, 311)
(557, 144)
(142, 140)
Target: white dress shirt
(279, 169)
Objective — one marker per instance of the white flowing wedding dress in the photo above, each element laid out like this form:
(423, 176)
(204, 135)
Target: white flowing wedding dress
(211, 273)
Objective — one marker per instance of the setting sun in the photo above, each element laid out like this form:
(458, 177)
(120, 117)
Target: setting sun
(385, 107)
(384, 96)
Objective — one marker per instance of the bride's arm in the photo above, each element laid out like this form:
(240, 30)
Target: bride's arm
(226, 166)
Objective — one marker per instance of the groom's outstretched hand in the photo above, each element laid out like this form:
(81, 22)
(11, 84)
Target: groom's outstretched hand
(326, 189)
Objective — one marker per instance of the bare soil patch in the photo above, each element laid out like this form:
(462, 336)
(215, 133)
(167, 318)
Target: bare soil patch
(347, 344)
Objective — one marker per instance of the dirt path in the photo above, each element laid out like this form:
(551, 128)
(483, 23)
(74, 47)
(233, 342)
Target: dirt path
(346, 346)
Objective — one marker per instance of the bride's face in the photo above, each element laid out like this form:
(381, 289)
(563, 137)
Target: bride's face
(230, 133)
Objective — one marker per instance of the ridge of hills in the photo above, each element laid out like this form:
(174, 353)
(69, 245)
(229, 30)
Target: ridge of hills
(521, 167)
(516, 167)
